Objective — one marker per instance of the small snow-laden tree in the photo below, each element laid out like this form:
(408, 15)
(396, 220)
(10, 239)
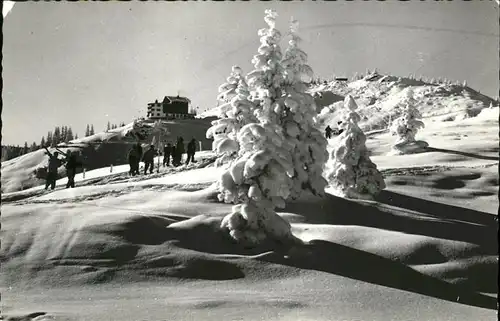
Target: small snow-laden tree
(409, 123)
(299, 121)
(351, 172)
(228, 90)
(237, 113)
(259, 180)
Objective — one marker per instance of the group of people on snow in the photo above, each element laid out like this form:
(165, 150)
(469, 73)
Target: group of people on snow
(72, 163)
(329, 132)
(135, 155)
(170, 152)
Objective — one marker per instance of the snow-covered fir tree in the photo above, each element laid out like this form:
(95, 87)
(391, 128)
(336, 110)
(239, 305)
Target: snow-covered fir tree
(237, 113)
(408, 124)
(351, 173)
(49, 138)
(228, 90)
(299, 121)
(69, 135)
(259, 180)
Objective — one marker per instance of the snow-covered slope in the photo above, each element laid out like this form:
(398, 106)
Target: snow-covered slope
(102, 149)
(151, 247)
(379, 99)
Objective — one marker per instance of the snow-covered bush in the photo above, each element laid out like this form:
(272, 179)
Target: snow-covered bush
(351, 172)
(408, 124)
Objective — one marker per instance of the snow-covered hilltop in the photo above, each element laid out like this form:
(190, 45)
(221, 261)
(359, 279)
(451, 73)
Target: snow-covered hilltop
(379, 97)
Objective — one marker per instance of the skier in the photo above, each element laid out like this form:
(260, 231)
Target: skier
(148, 158)
(173, 153)
(167, 151)
(71, 164)
(328, 132)
(139, 155)
(191, 149)
(179, 150)
(132, 161)
(54, 164)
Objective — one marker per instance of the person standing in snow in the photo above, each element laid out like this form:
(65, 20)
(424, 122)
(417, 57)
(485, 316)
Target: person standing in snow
(167, 151)
(148, 158)
(179, 150)
(54, 164)
(191, 150)
(173, 153)
(72, 164)
(328, 132)
(139, 156)
(132, 161)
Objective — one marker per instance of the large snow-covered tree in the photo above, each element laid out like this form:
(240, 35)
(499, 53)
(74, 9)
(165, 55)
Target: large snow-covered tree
(408, 124)
(352, 174)
(259, 180)
(299, 122)
(280, 151)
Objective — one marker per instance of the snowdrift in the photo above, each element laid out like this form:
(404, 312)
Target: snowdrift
(120, 235)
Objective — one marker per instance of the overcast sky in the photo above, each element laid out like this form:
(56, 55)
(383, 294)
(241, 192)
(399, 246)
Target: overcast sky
(94, 62)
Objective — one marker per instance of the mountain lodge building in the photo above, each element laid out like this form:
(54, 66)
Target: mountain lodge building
(172, 107)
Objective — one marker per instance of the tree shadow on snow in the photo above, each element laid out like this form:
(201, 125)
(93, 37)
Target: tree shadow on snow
(341, 260)
(449, 151)
(419, 217)
(436, 209)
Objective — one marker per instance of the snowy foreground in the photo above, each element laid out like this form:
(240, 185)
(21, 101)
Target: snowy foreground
(150, 247)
